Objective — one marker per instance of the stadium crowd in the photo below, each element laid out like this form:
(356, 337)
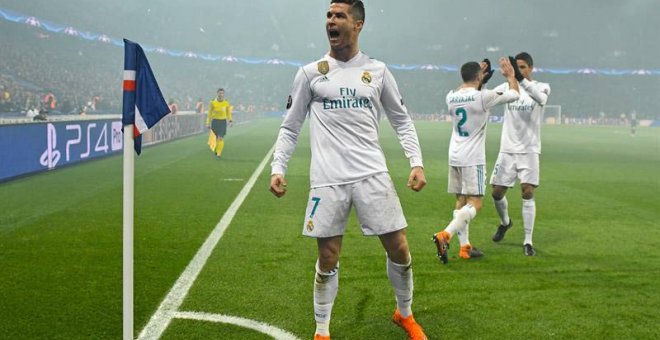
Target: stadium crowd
(63, 74)
(66, 75)
(43, 71)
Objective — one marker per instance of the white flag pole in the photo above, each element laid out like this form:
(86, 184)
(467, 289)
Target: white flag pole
(129, 168)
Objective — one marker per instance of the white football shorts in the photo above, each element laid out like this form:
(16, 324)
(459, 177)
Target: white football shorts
(512, 166)
(376, 204)
(467, 180)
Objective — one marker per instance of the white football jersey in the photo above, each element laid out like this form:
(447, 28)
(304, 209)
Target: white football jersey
(521, 132)
(469, 110)
(345, 102)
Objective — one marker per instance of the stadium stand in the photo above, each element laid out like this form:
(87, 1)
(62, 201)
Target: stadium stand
(84, 78)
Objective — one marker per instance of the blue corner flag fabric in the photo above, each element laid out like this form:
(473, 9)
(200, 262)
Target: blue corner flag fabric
(143, 104)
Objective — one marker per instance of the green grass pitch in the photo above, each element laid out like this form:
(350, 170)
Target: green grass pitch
(596, 274)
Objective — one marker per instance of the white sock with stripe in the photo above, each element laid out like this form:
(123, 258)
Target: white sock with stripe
(326, 285)
(401, 278)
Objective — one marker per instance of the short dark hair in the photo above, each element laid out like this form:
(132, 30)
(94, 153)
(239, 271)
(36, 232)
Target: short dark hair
(357, 7)
(220, 89)
(470, 71)
(524, 56)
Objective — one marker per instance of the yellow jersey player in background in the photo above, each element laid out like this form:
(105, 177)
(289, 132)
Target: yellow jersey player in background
(218, 116)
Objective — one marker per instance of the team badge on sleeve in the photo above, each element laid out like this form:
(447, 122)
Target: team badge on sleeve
(310, 225)
(289, 102)
(323, 67)
(366, 77)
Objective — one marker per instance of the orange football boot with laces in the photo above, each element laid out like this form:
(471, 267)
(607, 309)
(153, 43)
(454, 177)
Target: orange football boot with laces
(414, 330)
(468, 252)
(441, 241)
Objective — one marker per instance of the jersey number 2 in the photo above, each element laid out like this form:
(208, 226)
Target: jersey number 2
(463, 113)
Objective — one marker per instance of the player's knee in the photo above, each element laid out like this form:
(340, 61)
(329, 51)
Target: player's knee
(528, 192)
(396, 245)
(328, 260)
(498, 193)
(399, 253)
(476, 204)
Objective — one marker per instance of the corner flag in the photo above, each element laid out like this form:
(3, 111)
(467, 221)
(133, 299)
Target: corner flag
(143, 107)
(144, 104)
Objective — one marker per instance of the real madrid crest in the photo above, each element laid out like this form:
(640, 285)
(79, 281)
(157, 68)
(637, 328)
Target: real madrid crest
(366, 77)
(323, 67)
(310, 225)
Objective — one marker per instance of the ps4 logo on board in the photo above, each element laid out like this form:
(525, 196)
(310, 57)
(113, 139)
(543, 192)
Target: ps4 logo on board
(51, 156)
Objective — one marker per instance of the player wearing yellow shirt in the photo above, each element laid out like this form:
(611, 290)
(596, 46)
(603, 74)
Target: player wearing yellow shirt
(219, 114)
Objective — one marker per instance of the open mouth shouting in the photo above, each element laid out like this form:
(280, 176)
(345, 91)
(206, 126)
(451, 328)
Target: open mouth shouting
(333, 35)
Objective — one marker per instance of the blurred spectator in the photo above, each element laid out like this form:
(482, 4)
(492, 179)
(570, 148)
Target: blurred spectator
(199, 107)
(31, 113)
(42, 116)
(50, 101)
(174, 108)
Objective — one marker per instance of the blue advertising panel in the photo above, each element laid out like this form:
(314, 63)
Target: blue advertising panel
(28, 148)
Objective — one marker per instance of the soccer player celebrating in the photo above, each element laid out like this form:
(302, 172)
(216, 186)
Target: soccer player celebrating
(520, 148)
(345, 94)
(469, 108)
(219, 114)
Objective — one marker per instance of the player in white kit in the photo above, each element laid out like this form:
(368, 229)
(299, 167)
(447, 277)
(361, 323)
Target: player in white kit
(469, 108)
(345, 95)
(520, 148)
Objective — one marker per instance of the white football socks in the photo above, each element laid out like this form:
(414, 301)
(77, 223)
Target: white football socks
(326, 285)
(502, 207)
(528, 215)
(401, 278)
(463, 234)
(463, 217)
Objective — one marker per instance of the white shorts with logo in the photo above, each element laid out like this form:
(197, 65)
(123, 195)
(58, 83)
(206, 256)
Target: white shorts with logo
(376, 204)
(512, 166)
(467, 180)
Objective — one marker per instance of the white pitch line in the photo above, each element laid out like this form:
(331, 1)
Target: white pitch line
(265, 328)
(165, 312)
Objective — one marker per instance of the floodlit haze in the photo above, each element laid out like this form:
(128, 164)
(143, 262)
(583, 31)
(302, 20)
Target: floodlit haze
(599, 34)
